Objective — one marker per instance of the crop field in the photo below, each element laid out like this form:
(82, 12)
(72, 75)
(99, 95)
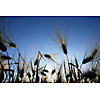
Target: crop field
(15, 69)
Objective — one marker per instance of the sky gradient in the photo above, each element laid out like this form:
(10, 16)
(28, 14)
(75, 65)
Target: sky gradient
(33, 33)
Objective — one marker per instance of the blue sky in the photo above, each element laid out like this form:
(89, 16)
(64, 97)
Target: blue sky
(33, 33)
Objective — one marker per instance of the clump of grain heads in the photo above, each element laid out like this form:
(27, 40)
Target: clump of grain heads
(4, 57)
(95, 54)
(63, 44)
(49, 57)
(2, 45)
(6, 39)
